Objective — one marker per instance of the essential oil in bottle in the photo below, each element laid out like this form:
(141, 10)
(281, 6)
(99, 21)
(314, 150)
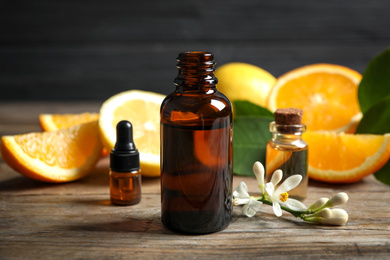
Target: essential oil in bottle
(125, 173)
(287, 150)
(196, 150)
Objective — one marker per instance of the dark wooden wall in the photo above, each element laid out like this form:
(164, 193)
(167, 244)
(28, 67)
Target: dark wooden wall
(90, 50)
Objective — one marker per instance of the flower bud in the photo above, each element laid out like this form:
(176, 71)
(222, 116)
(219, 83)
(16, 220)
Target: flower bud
(338, 199)
(318, 204)
(258, 170)
(338, 217)
(328, 216)
(323, 213)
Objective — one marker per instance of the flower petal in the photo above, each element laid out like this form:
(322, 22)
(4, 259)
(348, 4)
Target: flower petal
(276, 177)
(258, 170)
(269, 187)
(241, 191)
(251, 208)
(289, 184)
(277, 209)
(240, 201)
(294, 205)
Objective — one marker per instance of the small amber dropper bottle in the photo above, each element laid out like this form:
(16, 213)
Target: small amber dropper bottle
(125, 174)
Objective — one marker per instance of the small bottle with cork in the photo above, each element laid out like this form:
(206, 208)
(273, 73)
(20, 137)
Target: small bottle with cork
(125, 173)
(287, 150)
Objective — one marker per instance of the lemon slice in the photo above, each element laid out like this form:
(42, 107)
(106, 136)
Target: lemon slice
(142, 109)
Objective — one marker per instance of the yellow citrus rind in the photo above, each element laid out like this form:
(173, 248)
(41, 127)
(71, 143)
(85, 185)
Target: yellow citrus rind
(243, 81)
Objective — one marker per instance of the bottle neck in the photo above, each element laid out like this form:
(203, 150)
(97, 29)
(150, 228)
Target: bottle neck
(287, 133)
(196, 71)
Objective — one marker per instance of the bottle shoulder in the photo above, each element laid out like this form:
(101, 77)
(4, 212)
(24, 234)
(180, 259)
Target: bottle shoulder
(195, 105)
(195, 101)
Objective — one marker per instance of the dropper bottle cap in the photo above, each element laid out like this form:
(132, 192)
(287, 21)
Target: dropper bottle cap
(124, 157)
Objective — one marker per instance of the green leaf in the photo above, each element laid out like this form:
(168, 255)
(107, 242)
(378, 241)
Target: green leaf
(375, 85)
(383, 174)
(250, 139)
(246, 108)
(377, 119)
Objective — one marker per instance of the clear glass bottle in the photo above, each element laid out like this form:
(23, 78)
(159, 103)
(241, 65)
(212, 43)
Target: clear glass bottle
(288, 152)
(196, 150)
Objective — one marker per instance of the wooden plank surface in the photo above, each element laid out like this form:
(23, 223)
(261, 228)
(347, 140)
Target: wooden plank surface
(76, 220)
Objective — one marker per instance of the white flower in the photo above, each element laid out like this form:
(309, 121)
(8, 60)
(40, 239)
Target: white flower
(280, 196)
(241, 197)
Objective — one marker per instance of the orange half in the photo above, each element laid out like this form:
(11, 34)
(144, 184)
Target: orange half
(326, 93)
(345, 158)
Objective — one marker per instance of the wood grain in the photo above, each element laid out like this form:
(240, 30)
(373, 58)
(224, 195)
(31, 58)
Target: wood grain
(76, 220)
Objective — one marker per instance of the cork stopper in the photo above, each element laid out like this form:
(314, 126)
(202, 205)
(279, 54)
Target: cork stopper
(285, 117)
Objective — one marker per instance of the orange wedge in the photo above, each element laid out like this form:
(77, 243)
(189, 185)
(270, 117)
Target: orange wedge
(345, 158)
(327, 94)
(58, 156)
(53, 122)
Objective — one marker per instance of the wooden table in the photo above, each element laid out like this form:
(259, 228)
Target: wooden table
(76, 220)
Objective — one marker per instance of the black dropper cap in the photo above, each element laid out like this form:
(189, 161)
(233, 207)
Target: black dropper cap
(124, 157)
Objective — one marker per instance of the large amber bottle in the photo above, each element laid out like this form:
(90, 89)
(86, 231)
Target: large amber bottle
(196, 150)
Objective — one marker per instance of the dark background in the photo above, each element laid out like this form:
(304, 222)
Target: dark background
(91, 50)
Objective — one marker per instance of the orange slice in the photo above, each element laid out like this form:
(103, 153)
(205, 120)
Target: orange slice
(142, 109)
(58, 156)
(345, 158)
(327, 94)
(53, 122)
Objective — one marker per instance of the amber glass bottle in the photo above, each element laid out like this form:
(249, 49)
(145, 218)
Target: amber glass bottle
(196, 150)
(125, 173)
